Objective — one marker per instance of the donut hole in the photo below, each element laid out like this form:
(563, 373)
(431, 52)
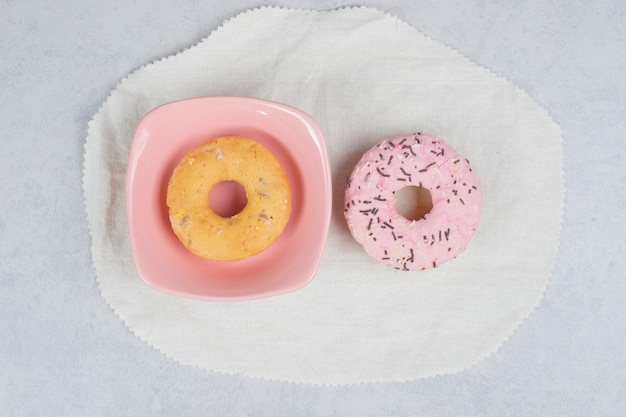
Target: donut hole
(227, 198)
(413, 203)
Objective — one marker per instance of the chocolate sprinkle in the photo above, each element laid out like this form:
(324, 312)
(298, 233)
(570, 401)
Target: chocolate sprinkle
(411, 149)
(427, 166)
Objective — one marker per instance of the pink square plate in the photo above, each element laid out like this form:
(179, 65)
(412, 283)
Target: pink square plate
(165, 135)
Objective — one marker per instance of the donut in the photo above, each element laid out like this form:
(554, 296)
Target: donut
(265, 215)
(419, 160)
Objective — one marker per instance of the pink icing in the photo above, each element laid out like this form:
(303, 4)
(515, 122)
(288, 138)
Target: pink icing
(419, 160)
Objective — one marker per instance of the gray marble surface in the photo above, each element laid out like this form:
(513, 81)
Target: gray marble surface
(63, 352)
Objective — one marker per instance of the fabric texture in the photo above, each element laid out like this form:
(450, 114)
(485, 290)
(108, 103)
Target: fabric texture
(363, 75)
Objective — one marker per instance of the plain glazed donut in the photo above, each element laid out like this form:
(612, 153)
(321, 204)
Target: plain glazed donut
(253, 229)
(423, 161)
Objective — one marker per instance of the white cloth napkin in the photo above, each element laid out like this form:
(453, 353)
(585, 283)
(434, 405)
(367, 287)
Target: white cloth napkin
(363, 75)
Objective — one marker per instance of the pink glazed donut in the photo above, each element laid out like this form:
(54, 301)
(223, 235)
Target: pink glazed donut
(423, 161)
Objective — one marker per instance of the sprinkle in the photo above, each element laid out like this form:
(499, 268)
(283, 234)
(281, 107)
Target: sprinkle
(388, 225)
(382, 173)
(402, 141)
(379, 198)
(461, 200)
(434, 264)
(427, 166)
(367, 177)
(369, 225)
(390, 158)
(394, 236)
